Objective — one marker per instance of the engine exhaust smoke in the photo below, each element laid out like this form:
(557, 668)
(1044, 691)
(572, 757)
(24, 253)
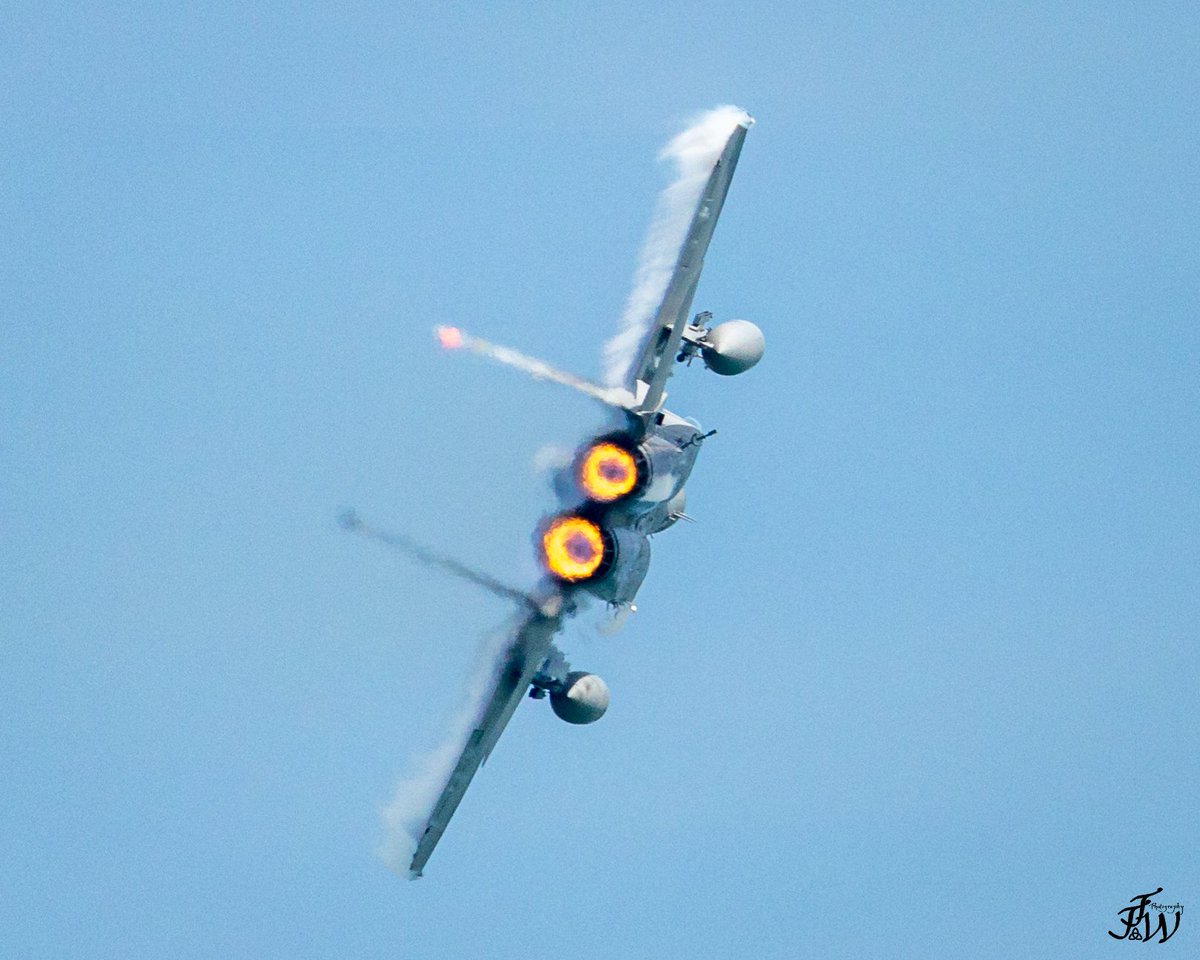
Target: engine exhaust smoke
(693, 152)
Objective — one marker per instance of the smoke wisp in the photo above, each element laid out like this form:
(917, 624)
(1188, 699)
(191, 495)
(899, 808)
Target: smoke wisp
(693, 152)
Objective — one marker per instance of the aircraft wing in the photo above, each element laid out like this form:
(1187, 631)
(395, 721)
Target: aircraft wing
(662, 341)
(530, 645)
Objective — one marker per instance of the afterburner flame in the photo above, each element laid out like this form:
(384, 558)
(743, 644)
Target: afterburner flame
(572, 548)
(607, 472)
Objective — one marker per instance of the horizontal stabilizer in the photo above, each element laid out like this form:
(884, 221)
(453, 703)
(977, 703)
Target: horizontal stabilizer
(550, 606)
(452, 338)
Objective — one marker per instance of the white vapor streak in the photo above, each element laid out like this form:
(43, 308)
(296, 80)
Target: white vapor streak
(694, 152)
(405, 817)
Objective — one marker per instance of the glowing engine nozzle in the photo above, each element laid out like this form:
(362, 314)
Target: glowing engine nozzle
(573, 549)
(607, 472)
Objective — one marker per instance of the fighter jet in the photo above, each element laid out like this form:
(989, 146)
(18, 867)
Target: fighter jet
(625, 485)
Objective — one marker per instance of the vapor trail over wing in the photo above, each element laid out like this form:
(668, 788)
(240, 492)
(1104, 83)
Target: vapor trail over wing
(706, 155)
(666, 332)
(520, 662)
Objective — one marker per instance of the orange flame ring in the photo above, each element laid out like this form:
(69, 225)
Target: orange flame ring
(573, 548)
(607, 472)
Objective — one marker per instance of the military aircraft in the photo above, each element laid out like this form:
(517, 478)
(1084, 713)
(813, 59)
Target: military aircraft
(625, 484)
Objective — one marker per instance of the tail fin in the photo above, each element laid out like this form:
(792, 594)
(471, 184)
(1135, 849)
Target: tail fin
(453, 338)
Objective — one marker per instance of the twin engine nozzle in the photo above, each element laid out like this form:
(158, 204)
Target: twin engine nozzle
(611, 469)
(574, 546)
(575, 549)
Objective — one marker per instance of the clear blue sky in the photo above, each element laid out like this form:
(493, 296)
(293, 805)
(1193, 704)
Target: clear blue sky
(921, 681)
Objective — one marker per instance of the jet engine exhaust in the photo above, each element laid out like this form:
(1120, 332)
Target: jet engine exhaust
(575, 549)
(607, 472)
